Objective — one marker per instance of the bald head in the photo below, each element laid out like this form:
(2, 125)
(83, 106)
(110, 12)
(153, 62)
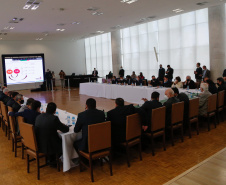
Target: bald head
(169, 93)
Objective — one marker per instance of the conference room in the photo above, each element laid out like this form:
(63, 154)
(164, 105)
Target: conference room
(117, 92)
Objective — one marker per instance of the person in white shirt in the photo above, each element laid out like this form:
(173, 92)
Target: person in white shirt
(177, 83)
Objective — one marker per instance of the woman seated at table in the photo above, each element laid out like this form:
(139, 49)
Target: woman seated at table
(177, 83)
(141, 76)
(133, 76)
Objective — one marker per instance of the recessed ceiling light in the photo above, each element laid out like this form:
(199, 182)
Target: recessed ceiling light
(97, 13)
(178, 10)
(100, 31)
(35, 7)
(39, 39)
(33, 4)
(129, 1)
(60, 29)
(75, 23)
(11, 28)
(6, 28)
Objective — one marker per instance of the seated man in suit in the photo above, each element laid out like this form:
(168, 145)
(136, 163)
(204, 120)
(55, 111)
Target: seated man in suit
(189, 83)
(212, 86)
(128, 80)
(4, 94)
(18, 101)
(154, 81)
(27, 106)
(90, 116)
(117, 116)
(148, 106)
(48, 140)
(114, 80)
(29, 114)
(95, 75)
(121, 80)
(12, 100)
(182, 97)
(203, 99)
(222, 86)
(168, 104)
(138, 81)
(167, 82)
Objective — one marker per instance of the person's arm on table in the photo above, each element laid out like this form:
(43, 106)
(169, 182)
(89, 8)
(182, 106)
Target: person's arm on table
(60, 126)
(78, 125)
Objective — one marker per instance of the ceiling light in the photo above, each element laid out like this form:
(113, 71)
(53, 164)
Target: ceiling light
(60, 29)
(27, 6)
(33, 4)
(75, 23)
(129, 1)
(6, 28)
(11, 28)
(100, 31)
(34, 7)
(97, 13)
(16, 20)
(178, 10)
(39, 39)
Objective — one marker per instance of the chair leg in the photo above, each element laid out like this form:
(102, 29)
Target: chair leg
(172, 138)
(182, 133)
(28, 165)
(6, 131)
(140, 153)
(58, 163)
(215, 121)
(12, 145)
(218, 117)
(110, 163)
(22, 146)
(15, 147)
(222, 116)
(189, 126)
(197, 127)
(164, 141)
(152, 145)
(127, 153)
(38, 168)
(91, 168)
(208, 122)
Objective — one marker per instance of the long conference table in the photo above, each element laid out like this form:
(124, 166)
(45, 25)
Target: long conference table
(132, 94)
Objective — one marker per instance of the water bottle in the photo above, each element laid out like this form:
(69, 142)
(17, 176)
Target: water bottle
(41, 109)
(187, 87)
(116, 83)
(73, 120)
(57, 114)
(132, 84)
(68, 120)
(124, 83)
(141, 84)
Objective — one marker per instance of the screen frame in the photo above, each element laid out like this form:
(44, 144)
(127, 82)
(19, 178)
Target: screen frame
(4, 56)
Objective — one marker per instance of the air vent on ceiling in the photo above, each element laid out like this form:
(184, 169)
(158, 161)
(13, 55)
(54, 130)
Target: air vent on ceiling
(202, 3)
(92, 9)
(16, 20)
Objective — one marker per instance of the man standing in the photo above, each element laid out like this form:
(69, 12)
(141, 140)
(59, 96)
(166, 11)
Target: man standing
(95, 75)
(62, 78)
(49, 79)
(90, 116)
(161, 73)
(198, 73)
(121, 72)
(205, 72)
(169, 72)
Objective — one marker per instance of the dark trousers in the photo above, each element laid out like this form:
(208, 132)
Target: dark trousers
(49, 85)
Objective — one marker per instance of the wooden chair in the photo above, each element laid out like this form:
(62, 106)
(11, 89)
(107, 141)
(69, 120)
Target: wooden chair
(15, 138)
(133, 134)
(193, 114)
(99, 145)
(28, 133)
(6, 120)
(20, 119)
(220, 105)
(177, 118)
(157, 126)
(211, 110)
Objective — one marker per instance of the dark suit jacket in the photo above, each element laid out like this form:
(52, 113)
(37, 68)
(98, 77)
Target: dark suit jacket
(46, 126)
(170, 73)
(138, 82)
(155, 83)
(191, 84)
(199, 72)
(117, 116)
(10, 102)
(224, 73)
(184, 98)
(49, 76)
(16, 107)
(161, 74)
(207, 74)
(2, 96)
(221, 88)
(96, 73)
(167, 84)
(213, 89)
(121, 72)
(168, 105)
(148, 106)
(129, 81)
(86, 118)
(114, 81)
(28, 114)
(6, 99)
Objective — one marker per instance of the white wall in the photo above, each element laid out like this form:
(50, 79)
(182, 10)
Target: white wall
(68, 56)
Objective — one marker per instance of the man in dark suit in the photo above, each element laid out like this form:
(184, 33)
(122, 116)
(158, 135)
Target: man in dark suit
(221, 87)
(49, 79)
(46, 126)
(95, 75)
(128, 80)
(224, 73)
(90, 116)
(148, 106)
(114, 80)
(17, 104)
(121, 72)
(154, 82)
(167, 82)
(161, 73)
(169, 72)
(12, 100)
(182, 97)
(205, 72)
(29, 114)
(4, 95)
(198, 73)
(189, 83)
(168, 104)
(117, 116)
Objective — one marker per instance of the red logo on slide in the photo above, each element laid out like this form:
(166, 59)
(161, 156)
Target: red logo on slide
(16, 71)
(9, 71)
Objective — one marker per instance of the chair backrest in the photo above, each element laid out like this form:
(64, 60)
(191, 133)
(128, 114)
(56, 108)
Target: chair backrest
(220, 98)
(4, 112)
(20, 119)
(145, 82)
(133, 126)
(28, 133)
(12, 121)
(177, 114)
(193, 107)
(99, 136)
(212, 103)
(158, 119)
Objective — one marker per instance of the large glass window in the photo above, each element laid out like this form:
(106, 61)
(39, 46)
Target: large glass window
(99, 54)
(181, 41)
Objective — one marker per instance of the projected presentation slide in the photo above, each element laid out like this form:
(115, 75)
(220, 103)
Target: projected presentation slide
(20, 70)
